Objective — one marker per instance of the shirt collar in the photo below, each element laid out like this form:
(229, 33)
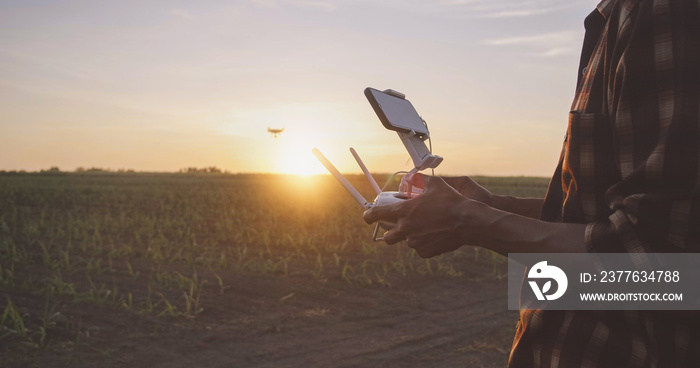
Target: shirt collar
(605, 8)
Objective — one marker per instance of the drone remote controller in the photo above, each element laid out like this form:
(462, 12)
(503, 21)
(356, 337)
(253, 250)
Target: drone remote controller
(396, 113)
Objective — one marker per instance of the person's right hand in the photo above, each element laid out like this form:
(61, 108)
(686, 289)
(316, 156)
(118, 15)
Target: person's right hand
(470, 189)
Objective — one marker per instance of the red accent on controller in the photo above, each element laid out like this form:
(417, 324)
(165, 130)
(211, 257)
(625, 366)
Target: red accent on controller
(412, 185)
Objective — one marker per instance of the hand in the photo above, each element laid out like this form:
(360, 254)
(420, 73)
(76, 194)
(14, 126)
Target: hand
(430, 223)
(471, 189)
(442, 220)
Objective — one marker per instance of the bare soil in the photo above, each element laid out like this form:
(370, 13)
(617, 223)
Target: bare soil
(295, 321)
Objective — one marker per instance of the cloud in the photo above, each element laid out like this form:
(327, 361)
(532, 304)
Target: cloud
(460, 8)
(268, 4)
(546, 44)
(549, 38)
(571, 50)
(459, 2)
(181, 13)
(321, 4)
(44, 64)
(509, 8)
(518, 13)
(327, 5)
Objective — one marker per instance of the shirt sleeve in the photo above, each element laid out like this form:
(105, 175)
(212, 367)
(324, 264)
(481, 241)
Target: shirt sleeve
(653, 100)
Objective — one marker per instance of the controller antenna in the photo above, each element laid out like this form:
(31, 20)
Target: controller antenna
(344, 182)
(371, 180)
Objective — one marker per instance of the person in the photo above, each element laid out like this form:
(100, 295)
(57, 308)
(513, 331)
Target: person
(628, 180)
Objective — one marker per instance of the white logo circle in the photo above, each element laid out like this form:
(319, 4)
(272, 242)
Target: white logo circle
(543, 271)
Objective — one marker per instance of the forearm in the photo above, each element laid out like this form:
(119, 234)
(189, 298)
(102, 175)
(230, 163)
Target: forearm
(505, 232)
(528, 207)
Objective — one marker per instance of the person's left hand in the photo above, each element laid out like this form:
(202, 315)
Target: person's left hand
(432, 223)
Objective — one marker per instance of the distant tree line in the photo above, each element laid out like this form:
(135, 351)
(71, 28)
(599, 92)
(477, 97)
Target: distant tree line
(99, 169)
(81, 169)
(204, 170)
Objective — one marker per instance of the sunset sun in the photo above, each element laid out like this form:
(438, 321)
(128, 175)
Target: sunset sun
(295, 158)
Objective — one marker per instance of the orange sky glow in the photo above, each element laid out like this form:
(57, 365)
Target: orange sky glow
(165, 85)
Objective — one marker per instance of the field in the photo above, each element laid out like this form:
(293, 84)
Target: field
(213, 270)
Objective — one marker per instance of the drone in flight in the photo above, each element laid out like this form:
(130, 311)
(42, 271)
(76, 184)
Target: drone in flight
(275, 132)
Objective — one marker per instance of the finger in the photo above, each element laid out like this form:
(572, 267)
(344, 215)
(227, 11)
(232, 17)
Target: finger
(387, 212)
(431, 247)
(421, 245)
(416, 179)
(394, 235)
(435, 183)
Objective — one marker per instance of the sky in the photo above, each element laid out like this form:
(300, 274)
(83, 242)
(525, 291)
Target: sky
(164, 85)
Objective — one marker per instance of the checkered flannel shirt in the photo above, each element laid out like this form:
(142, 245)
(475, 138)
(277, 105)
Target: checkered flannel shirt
(630, 170)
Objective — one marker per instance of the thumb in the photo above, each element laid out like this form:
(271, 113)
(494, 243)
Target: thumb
(387, 212)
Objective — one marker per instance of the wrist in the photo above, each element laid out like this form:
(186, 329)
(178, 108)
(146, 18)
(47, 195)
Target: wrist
(476, 222)
(499, 202)
(527, 207)
(505, 232)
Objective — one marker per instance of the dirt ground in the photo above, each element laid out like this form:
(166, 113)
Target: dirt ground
(272, 321)
(110, 270)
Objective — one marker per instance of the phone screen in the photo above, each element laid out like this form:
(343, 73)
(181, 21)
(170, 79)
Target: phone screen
(395, 113)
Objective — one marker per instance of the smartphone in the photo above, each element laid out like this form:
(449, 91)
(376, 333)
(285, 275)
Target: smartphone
(396, 113)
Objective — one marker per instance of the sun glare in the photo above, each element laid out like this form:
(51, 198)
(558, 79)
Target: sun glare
(296, 158)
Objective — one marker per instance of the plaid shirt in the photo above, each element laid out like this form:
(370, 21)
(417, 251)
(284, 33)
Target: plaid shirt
(630, 170)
